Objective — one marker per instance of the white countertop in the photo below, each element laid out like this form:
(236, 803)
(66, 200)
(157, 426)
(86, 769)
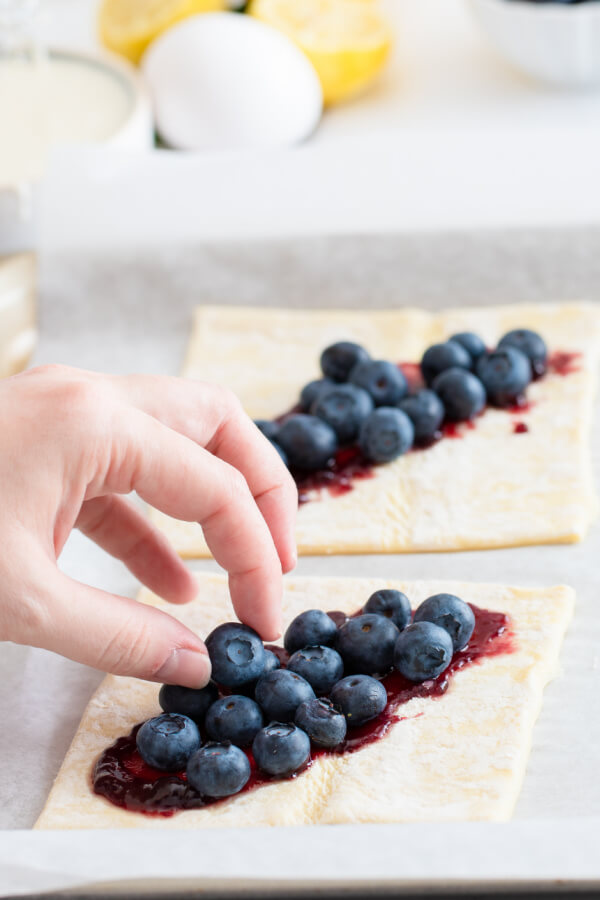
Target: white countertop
(451, 137)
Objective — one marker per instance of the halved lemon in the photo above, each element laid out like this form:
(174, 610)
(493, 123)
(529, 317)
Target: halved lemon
(347, 41)
(128, 26)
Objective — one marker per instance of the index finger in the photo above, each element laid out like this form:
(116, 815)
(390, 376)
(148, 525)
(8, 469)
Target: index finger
(213, 418)
(185, 481)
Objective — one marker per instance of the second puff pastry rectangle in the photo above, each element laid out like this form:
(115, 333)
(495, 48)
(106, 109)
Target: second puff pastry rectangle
(492, 487)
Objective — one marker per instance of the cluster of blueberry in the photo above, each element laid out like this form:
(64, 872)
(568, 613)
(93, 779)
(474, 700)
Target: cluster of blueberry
(368, 402)
(328, 685)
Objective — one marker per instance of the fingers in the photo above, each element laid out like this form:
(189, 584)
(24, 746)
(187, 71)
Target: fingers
(112, 633)
(183, 480)
(120, 529)
(214, 419)
(239, 442)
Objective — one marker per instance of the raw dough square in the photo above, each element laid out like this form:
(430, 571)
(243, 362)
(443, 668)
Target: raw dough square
(492, 488)
(458, 757)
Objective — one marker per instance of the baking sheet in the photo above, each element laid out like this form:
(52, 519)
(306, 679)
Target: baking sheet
(131, 312)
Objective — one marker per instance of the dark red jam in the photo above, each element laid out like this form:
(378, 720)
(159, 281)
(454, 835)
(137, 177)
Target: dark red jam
(123, 778)
(521, 405)
(456, 429)
(349, 465)
(562, 363)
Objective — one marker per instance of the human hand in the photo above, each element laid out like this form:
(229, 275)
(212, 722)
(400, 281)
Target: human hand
(71, 444)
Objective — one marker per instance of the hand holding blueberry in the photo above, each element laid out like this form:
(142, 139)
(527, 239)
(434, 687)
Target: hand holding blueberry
(77, 442)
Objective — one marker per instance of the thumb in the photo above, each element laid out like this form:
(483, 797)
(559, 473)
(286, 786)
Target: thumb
(118, 635)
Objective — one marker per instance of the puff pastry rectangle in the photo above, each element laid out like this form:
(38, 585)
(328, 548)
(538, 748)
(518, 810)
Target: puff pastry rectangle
(491, 488)
(459, 757)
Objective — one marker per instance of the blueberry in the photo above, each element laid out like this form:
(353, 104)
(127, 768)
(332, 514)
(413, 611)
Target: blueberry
(269, 429)
(338, 360)
(394, 605)
(311, 391)
(382, 380)
(281, 749)
(505, 375)
(426, 411)
(531, 344)
(366, 644)
(308, 442)
(271, 662)
(280, 693)
(440, 357)
(360, 698)
(386, 434)
(321, 666)
(166, 742)
(236, 653)
(345, 407)
(462, 394)
(309, 629)
(423, 651)
(235, 718)
(325, 726)
(450, 613)
(472, 343)
(218, 770)
(188, 701)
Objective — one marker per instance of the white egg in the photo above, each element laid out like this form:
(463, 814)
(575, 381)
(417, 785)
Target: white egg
(222, 81)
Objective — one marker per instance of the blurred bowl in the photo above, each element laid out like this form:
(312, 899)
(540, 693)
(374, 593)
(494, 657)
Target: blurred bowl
(558, 43)
(72, 98)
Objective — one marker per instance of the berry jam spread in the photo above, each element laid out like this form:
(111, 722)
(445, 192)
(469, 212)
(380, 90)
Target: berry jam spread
(522, 405)
(455, 429)
(349, 464)
(561, 363)
(121, 776)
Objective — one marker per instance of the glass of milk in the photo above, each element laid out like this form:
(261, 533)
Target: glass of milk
(49, 98)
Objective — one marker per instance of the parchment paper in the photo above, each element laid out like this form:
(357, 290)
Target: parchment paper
(131, 312)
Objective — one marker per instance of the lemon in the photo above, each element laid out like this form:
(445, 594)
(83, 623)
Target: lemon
(347, 41)
(128, 26)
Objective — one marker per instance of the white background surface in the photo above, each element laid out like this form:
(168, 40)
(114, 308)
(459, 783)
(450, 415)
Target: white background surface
(451, 137)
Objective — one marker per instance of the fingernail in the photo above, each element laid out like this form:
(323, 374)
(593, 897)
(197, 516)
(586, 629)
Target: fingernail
(189, 668)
